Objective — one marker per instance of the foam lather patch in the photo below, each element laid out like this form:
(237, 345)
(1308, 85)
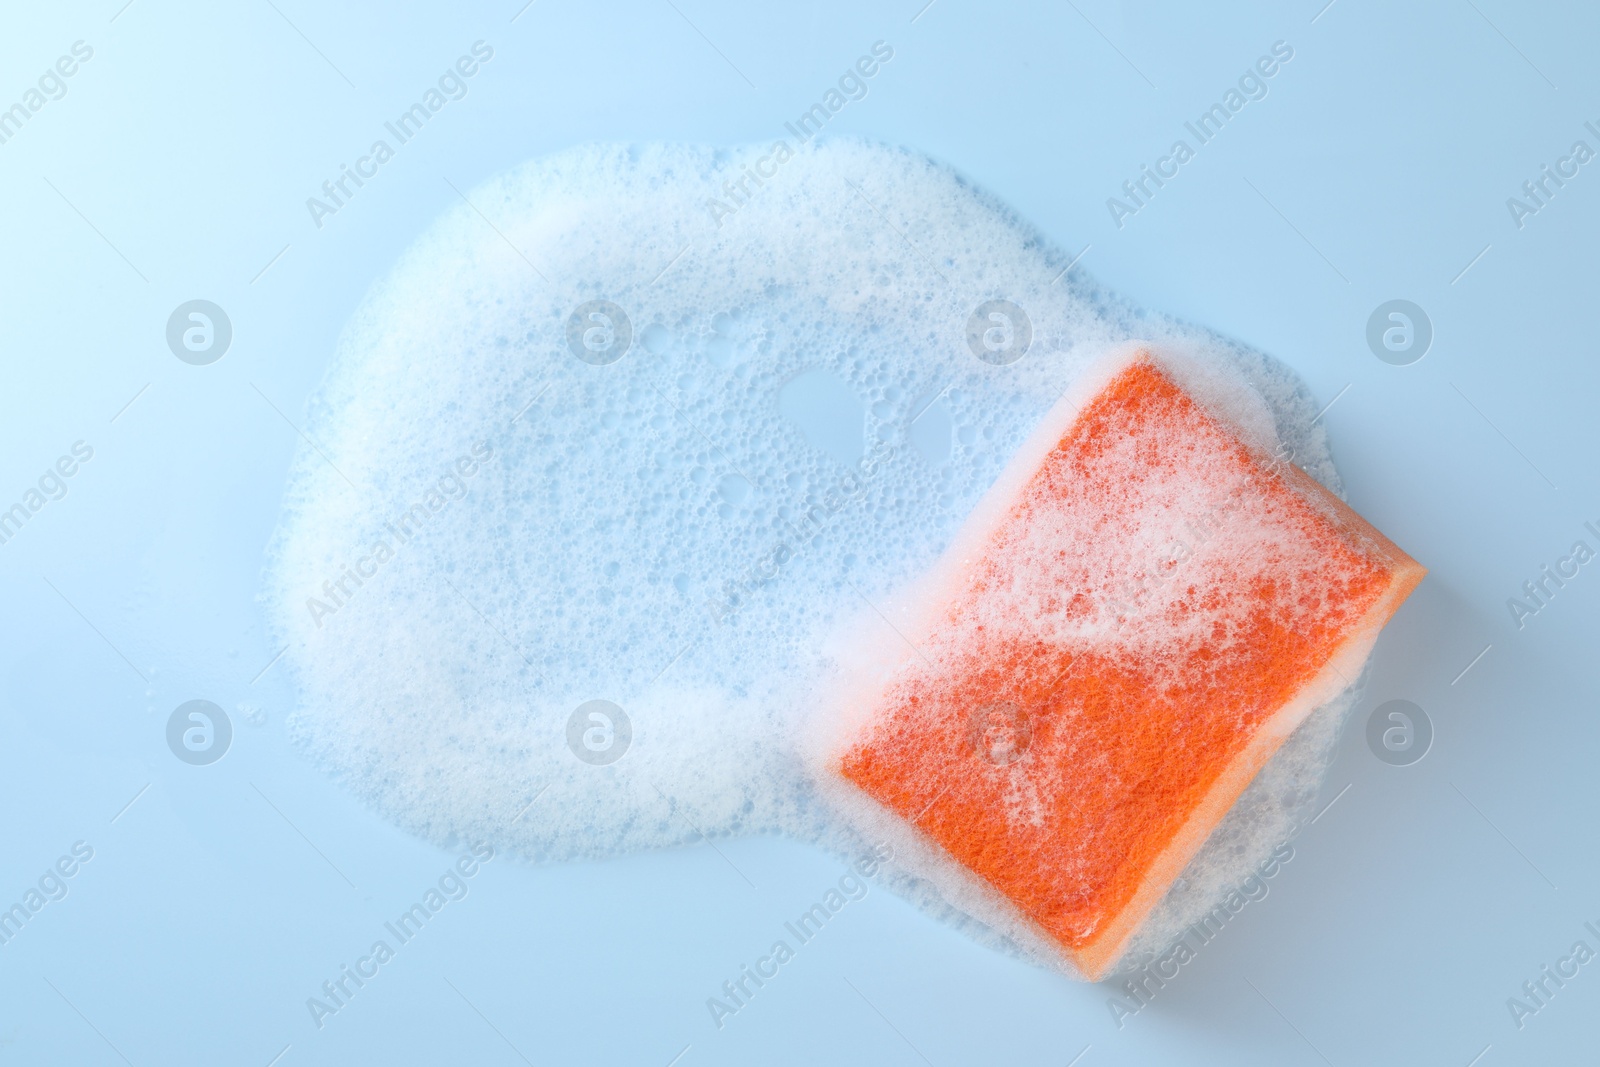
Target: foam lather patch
(509, 516)
(1138, 614)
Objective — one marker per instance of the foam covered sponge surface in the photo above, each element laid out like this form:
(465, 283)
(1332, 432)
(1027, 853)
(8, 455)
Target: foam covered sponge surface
(1130, 626)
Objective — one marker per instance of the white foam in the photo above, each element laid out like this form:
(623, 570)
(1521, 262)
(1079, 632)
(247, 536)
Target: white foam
(658, 532)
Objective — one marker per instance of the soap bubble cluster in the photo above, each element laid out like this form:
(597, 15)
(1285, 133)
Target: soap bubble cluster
(511, 513)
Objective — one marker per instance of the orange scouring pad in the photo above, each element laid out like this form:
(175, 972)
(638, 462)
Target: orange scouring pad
(1140, 612)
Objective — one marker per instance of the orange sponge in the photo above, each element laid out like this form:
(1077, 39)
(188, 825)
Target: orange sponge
(1138, 615)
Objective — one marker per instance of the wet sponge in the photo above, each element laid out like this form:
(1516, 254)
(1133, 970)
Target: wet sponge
(1143, 608)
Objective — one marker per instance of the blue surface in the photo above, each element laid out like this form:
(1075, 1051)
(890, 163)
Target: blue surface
(176, 166)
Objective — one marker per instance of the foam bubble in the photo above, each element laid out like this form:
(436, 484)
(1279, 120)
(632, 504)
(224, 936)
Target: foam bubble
(511, 512)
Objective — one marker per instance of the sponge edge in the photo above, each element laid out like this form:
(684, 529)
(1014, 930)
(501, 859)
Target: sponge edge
(1083, 914)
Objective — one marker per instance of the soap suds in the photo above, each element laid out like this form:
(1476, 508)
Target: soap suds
(798, 427)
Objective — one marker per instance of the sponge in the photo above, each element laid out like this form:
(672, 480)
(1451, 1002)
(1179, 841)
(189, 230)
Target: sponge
(1142, 609)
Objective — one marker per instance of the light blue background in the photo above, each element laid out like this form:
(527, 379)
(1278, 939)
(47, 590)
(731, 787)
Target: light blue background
(223, 897)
